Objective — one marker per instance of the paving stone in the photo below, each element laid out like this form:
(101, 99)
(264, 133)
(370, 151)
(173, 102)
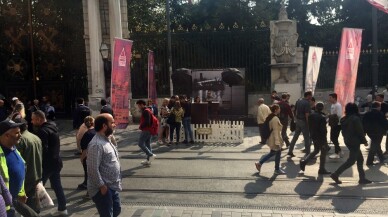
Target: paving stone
(236, 214)
(177, 213)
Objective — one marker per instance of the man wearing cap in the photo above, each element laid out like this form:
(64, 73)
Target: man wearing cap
(12, 168)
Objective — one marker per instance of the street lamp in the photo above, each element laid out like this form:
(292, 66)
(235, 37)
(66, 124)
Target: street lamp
(104, 51)
(105, 54)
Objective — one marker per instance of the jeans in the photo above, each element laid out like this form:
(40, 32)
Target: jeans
(261, 133)
(56, 185)
(334, 134)
(355, 155)
(108, 205)
(301, 127)
(271, 154)
(375, 148)
(284, 132)
(145, 143)
(319, 145)
(177, 127)
(187, 127)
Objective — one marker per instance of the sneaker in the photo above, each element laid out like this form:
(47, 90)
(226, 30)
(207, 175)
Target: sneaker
(258, 166)
(146, 163)
(323, 172)
(335, 156)
(364, 181)
(290, 155)
(301, 172)
(279, 172)
(60, 213)
(335, 178)
(302, 165)
(82, 186)
(151, 158)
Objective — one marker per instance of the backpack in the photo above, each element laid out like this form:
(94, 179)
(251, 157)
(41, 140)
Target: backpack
(266, 131)
(154, 124)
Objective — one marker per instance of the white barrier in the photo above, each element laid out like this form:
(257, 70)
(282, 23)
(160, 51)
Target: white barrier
(217, 132)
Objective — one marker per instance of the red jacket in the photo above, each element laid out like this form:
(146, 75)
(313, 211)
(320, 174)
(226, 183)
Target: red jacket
(145, 120)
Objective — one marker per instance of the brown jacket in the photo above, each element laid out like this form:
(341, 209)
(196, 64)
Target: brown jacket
(275, 141)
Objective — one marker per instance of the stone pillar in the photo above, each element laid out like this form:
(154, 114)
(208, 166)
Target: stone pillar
(97, 78)
(115, 27)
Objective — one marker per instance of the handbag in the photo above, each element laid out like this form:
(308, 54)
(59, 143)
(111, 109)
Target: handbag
(171, 118)
(44, 198)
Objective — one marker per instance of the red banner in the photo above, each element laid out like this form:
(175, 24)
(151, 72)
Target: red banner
(380, 4)
(348, 58)
(121, 81)
(151, 77)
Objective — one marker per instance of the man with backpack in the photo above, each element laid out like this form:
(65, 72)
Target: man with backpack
(148, 127)
(285, 112)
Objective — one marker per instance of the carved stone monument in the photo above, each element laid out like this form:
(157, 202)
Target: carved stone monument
(286, 56)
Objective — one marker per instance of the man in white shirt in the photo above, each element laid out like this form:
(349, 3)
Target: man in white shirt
(335, 129)
(262, 113)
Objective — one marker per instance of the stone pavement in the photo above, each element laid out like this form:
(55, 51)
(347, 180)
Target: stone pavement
(226, 188)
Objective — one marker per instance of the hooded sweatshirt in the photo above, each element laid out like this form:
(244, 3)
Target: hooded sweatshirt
(353, 131)
(48, 133)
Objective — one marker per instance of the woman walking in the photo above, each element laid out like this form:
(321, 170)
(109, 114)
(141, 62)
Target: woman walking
(275, 141)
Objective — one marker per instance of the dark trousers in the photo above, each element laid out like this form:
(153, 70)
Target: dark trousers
(355, 155)
(177, 127)
(261, 133)
(375, 148)
(56, 185)
(271, 154)
(32, 199)
(22, 209)
(334, 134)
(108, 205)
(284, 132)
(85, 166)
(301, 127)
(320, 145)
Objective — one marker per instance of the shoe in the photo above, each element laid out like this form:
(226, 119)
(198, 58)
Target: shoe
(335, 178)
(364, 181)
(258, 166)
(151, 158)
(290, 155)
(262, 143)
(302, 165)
(301, 172)
(192, 142)
(60, 213)
(323, 172)
(145, 163)
(335, 156)
(303, 151)
(371, 164)
(279, 172)
(82, 186)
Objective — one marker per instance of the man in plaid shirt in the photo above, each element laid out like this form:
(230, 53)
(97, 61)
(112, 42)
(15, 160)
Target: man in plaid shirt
(104, 181)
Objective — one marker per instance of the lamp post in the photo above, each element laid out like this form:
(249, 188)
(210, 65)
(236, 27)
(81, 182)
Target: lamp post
(105, 54)
(375, 60)
(169, 45)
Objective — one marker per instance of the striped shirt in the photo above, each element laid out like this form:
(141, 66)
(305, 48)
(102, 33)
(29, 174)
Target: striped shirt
(103, 165)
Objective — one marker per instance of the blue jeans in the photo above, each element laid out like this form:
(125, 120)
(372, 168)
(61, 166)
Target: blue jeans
(145, 143)
(301, 127)
(108, 205)
(187, 128)
(271, 154)
(56, 185)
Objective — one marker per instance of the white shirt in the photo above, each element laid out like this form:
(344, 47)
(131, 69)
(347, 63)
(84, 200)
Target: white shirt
(262, 113)
(336, 108)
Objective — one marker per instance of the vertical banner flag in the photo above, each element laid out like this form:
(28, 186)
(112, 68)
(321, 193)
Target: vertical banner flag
(151, 77)
(347, 66)
(312, 70)
(121, 81)
(380, 4)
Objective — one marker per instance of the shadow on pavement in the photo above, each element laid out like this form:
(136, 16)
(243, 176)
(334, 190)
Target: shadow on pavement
(260, 186)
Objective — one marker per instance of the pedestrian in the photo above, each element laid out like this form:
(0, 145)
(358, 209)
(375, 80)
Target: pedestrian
(105, 107)
(262, 113)
(164, 131)
(16, 103)
(17, 112)
(153, 107)
(178, 113)
(51, 161)
(12, 168)
(384, 111)
(275, 141)
(80, 113)
(145, 135)
(186, 105)
(335, 125)
(375, 126)
(5, 198)
(285, 113)
(318, 133)
(104, 170)
(30, 148)
(274, 97)
(86, 138)
(302, 112)
(354, 136)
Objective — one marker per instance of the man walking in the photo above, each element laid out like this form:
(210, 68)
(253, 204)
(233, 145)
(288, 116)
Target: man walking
(335, 125)
(384, 111)
(302, 112)
(262, 113)
(12, 168)
(375, 126)
(104, 173)
(51, 161)
(285, 112)
(318, 132)
(105, 107)
(30, 148)
(145, 136)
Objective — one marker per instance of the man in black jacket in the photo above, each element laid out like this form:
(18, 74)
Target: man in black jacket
(51, 161)
(106, 108)
(375, 126)
(81, 112)
(318, 132)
